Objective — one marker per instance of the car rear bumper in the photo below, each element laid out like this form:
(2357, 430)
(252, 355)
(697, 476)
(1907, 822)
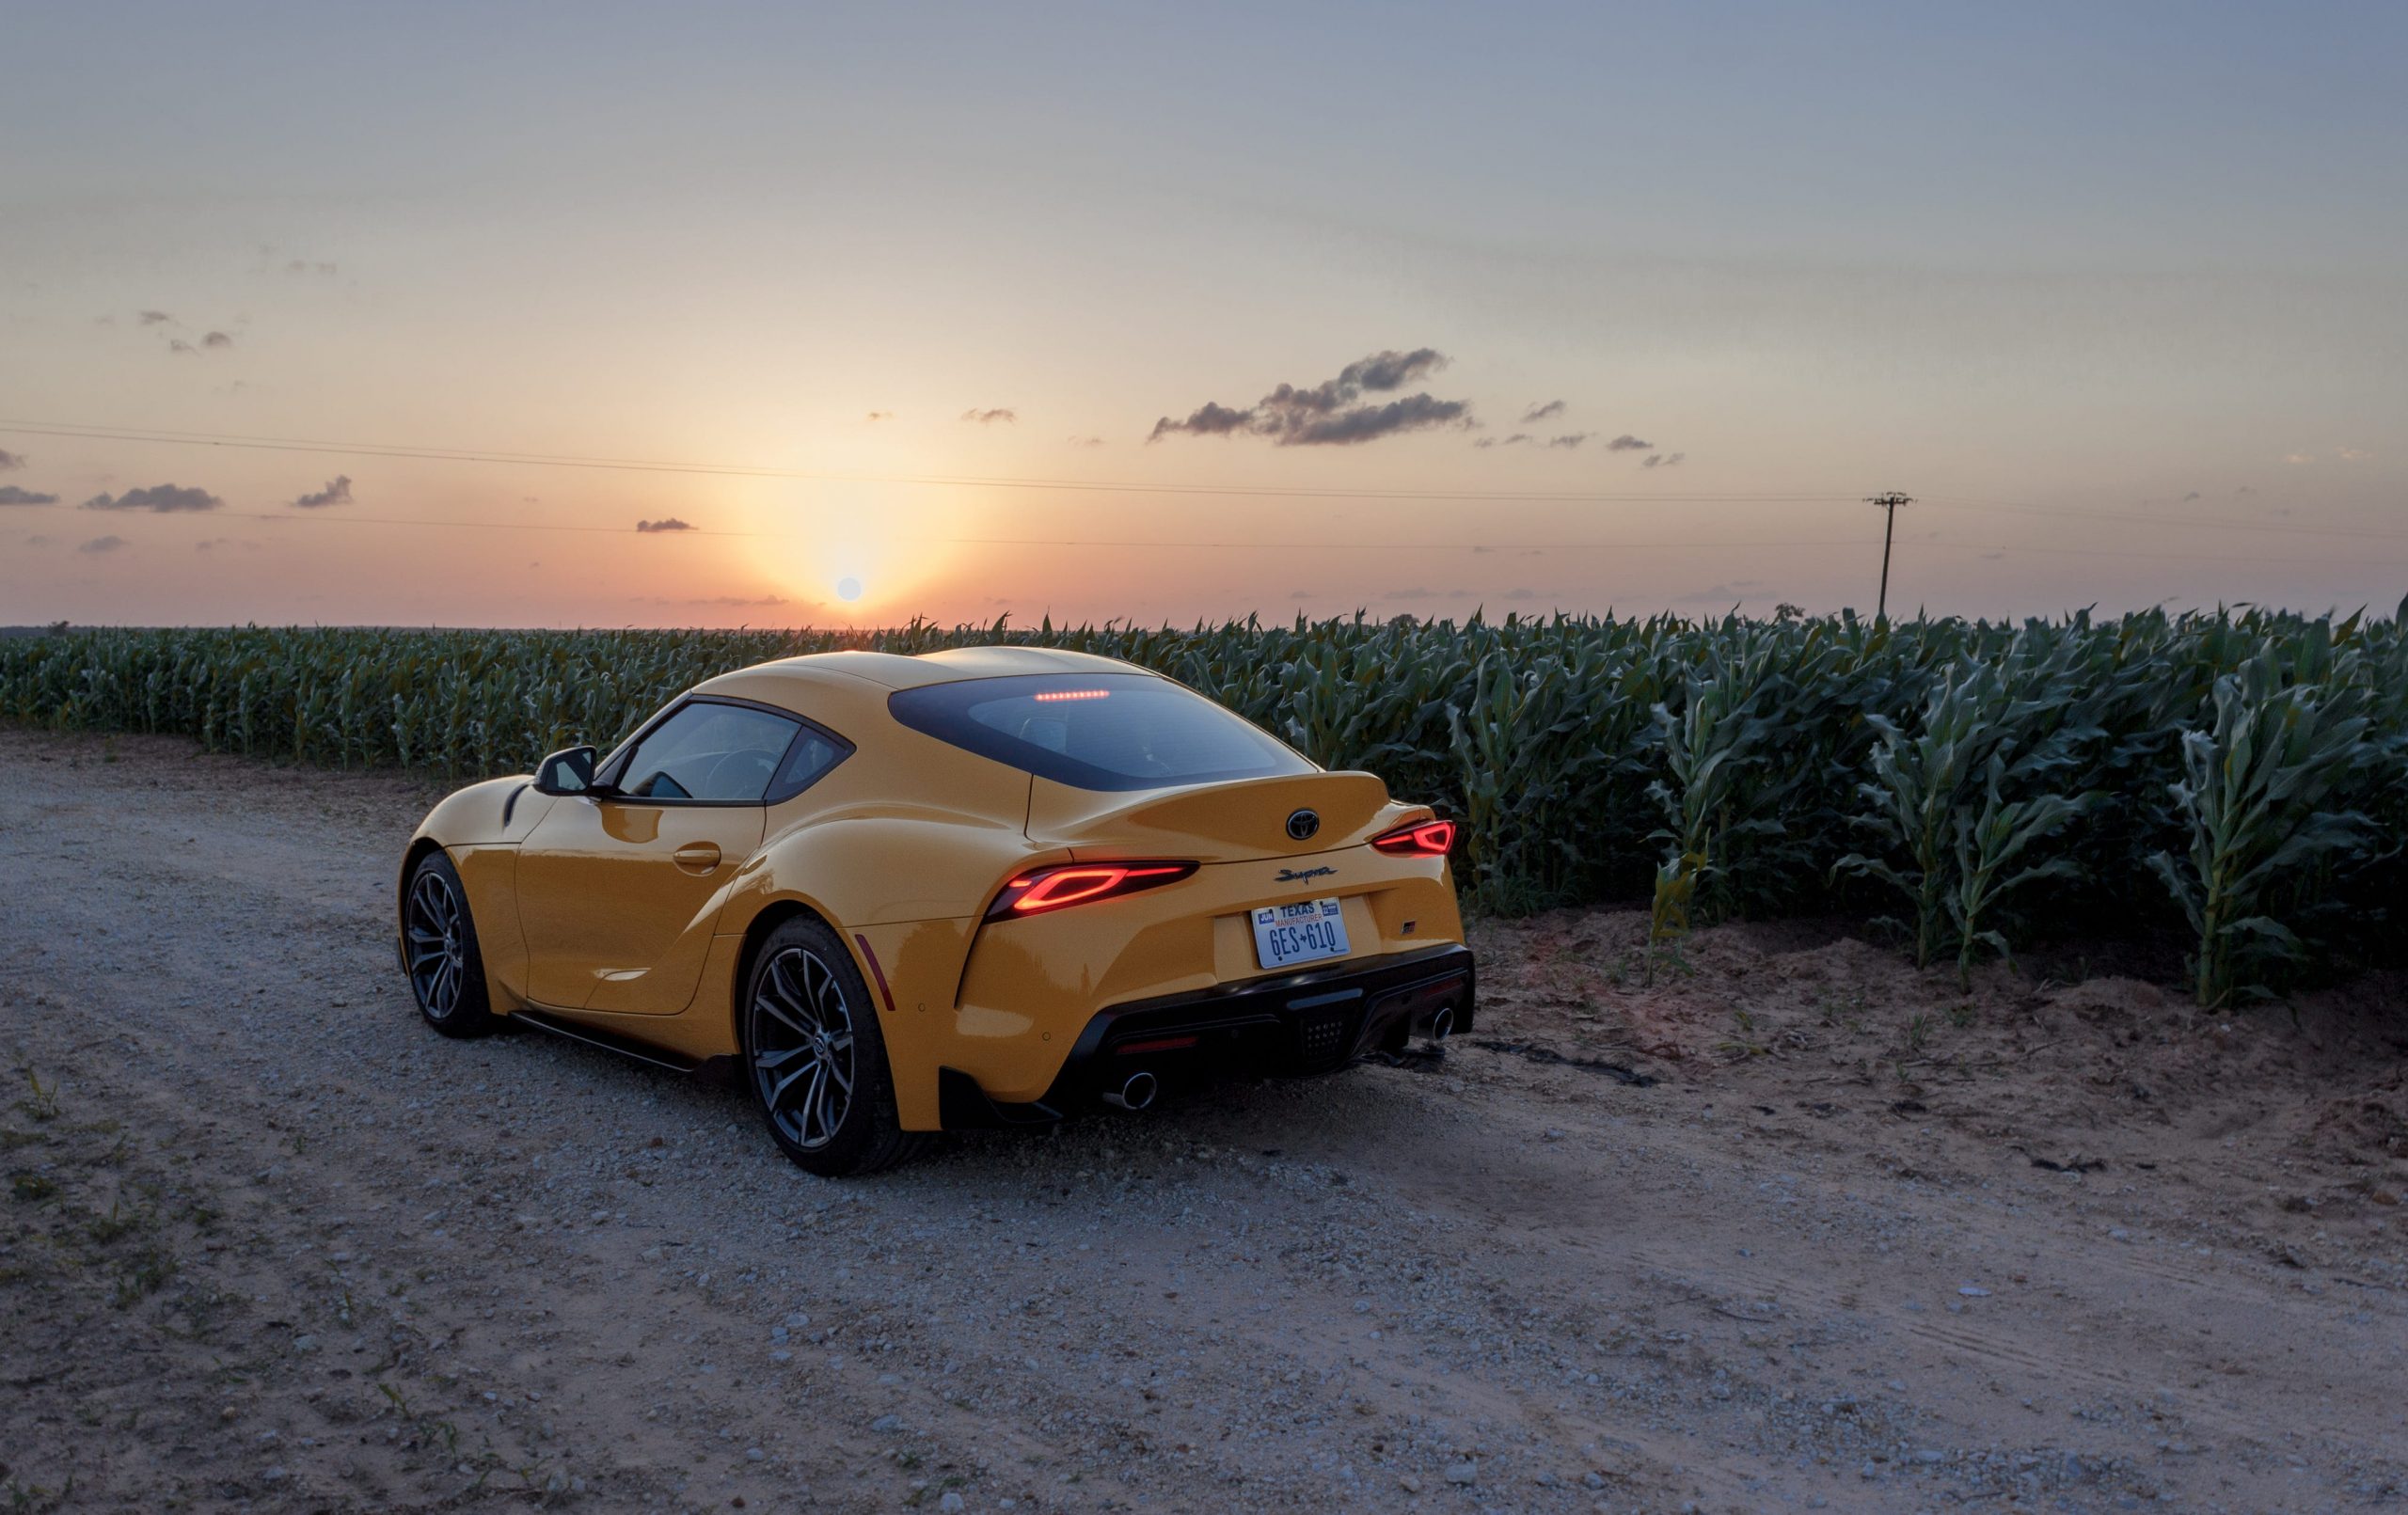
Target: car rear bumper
(1314, 1022)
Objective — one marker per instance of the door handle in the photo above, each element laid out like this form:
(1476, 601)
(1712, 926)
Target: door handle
(697, 857)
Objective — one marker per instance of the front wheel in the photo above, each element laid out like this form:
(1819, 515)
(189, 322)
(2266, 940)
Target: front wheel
(816, 1061)
(439, 951)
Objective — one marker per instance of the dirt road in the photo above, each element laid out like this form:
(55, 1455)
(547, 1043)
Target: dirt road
(1863, 1242)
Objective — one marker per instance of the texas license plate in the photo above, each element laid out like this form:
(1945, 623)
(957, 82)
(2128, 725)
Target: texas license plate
(1309, 932)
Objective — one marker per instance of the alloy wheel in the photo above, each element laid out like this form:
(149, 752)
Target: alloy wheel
(439, 953)
(801, 1047)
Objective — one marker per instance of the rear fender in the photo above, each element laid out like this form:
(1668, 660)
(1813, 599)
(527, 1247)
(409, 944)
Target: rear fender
(904, 891)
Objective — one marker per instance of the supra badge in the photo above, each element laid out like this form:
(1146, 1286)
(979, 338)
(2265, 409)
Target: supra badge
(1290, 876)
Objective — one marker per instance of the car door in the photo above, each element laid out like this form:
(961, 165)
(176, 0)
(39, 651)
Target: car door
(619, 890)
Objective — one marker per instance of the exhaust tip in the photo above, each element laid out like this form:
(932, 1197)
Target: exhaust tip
(1442, 1025)
(1135, 1093)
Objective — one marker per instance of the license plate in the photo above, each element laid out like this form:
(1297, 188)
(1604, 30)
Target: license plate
(1303, 933)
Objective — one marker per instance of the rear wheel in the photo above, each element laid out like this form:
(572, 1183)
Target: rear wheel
(439, 951)
(815, 1059)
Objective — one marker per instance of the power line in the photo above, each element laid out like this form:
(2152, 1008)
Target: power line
(248, 442)
(1253, 545)
(2221, 523)
(1725, 545)
(732, 470)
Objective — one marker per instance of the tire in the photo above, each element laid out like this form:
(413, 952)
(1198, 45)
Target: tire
(447, 972)
(809, 1026)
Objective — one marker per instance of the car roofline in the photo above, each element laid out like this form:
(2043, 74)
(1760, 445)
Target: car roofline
(895, 672)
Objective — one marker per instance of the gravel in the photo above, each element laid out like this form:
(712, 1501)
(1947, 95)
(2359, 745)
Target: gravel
(441, 1270)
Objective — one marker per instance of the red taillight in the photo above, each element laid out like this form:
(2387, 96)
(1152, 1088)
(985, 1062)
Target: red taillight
(1423, 839)
(1079, 883)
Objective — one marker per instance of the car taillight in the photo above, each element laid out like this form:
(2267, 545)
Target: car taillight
(1423, 839)
(1080, 883)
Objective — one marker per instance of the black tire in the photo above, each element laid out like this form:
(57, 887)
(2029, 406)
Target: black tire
(447, 972)
(809, 1025)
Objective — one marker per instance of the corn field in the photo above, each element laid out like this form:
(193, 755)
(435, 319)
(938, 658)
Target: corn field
(2241, 779)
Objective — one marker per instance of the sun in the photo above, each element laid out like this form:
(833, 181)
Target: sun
(848, 588)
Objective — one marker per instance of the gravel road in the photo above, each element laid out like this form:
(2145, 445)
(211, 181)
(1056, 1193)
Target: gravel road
(270, 1244)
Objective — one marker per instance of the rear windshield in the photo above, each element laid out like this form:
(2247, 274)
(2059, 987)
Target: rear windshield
(1109, 730)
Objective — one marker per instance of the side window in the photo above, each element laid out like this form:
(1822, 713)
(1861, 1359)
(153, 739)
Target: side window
(811, 756)
(711, 751)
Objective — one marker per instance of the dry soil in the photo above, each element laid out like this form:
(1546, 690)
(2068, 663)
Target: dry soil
(1778, 1223)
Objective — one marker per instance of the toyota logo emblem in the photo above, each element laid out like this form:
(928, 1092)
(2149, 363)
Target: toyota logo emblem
(1303, 824)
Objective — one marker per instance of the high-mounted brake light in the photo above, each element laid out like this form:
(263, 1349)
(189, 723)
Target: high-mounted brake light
(1423, 839)
(1079, 883)
(1051, 695)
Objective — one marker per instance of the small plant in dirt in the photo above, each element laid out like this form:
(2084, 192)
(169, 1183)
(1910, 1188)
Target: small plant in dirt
(1842, 1010)
(43, 1101)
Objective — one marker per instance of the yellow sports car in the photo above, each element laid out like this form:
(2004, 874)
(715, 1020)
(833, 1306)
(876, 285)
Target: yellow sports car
(982, 887)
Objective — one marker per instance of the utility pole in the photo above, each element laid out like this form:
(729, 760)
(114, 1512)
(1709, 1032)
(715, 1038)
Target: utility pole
(1889, 504)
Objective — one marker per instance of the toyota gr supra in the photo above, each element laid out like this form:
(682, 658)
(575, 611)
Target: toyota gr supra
(902, 894)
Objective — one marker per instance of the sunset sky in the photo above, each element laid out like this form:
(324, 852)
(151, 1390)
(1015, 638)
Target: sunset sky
(965, 311)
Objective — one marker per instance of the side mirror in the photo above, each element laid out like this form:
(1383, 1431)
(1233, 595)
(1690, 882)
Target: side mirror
(568, 771)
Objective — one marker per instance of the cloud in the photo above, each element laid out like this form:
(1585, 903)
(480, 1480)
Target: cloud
(1539, 413)
(1301, 594)
(215, 542)
(989, 417)
(667, 523)
(152, 318)
(881, 415)
(11, 459)
(100, 545)
(1664, 460)
(1211, 418)
(1627, 443)
(2297, 458)
(338, 492)
(11, 495)
(1330, 414)
(177, 344)
(1087, 441)
(2189, 498)
(217, 338)
(304, 265)
(2352, 454)
(1517, 439)
(2246, 489)
(1392, 370)
(159, 499)
(1571, 441)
